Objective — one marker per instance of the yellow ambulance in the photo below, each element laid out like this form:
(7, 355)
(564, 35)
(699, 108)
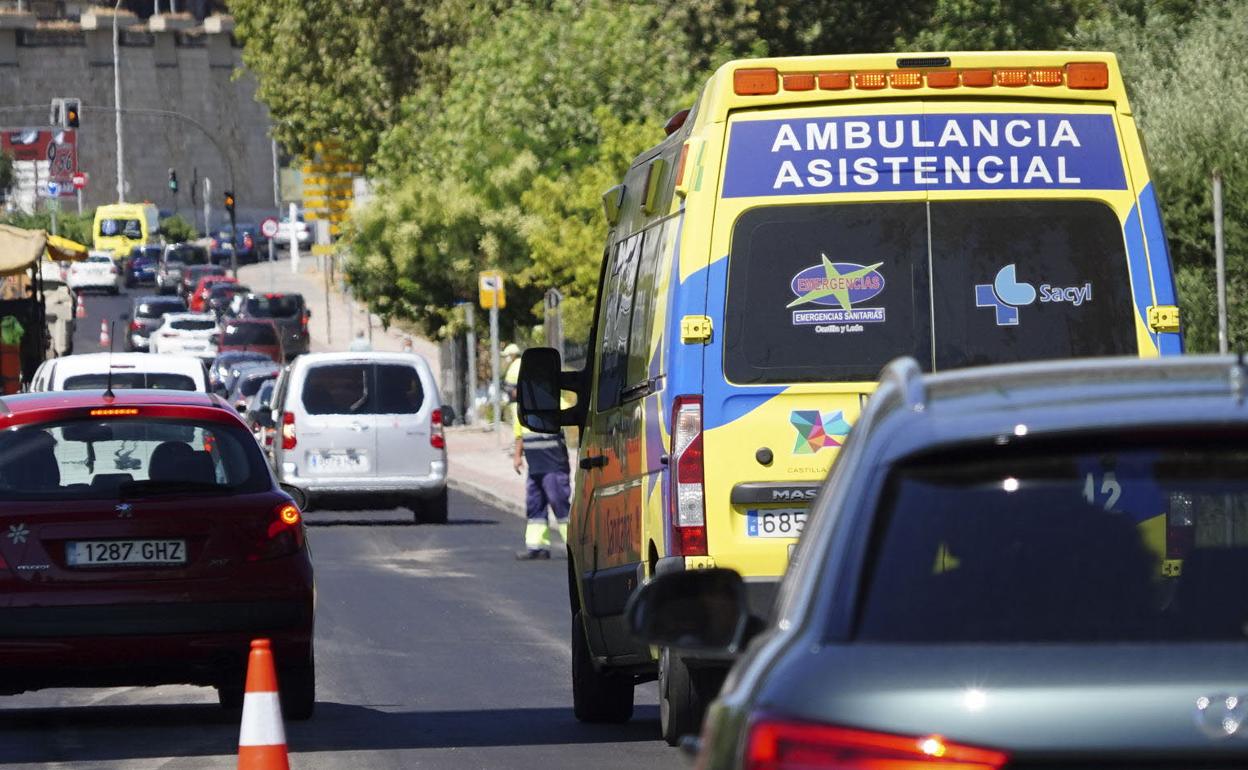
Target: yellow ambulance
(807, 221)
(119, 227)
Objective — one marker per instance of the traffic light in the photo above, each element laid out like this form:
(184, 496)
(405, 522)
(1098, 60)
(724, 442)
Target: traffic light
(229, 202)
(173, 181)
(70, 113)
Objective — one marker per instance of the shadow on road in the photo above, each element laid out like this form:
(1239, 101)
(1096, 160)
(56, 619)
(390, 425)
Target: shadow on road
(110, 733)
(314, 521)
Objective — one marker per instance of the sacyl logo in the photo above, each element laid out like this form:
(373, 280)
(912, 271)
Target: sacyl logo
(1006, 294)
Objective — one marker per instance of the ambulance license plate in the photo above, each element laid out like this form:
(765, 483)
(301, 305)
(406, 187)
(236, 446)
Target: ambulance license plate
(775, 522)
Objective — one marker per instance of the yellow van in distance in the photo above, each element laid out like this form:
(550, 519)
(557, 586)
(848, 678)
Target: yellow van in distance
(120, 227)
(810, 220)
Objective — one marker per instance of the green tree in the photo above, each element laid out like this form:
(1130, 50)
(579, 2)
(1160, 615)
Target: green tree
(338, 69)
(72, 226)
(1190, 95)
(515, 117)
(988, 25)
(176, 229)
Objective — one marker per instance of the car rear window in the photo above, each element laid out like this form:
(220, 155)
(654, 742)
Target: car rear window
(188, 325)
(250, 385)
(279, 306)
(158, 309)
(338, 389)
(359, 388)
(128, 458)
(832, 292)
(1078, 544)
(139, 380)
(250, 334)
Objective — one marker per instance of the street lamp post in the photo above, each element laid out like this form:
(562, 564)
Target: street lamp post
(121, 166)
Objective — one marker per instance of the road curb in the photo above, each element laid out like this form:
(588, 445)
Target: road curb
(488, 496)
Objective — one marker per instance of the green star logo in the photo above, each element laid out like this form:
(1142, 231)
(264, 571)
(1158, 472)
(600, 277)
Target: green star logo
(839, 283)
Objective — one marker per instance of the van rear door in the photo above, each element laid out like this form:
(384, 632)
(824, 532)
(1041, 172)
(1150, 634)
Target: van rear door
(336, 428)
(406, 398)
(955, 232)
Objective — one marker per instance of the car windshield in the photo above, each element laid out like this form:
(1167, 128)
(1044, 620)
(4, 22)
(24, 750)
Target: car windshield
(137, 380)
(274, 306)
(222, 289)
(1125, 543)
(99, 259)
(127, 459)
(832, 292)
(190, 255)
(156, 309)
(130, 228)
(249, 334)
(193, 325)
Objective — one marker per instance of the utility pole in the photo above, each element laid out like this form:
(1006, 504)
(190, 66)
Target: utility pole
(1219, 262)
(293, 231)
(121, 148)
(470, 318)
(495, 375)
(207, 205)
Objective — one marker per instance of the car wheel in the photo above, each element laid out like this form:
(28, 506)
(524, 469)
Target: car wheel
(430, 510)
(297, 690)
(596, 696)
(683, 696)
(230, 696)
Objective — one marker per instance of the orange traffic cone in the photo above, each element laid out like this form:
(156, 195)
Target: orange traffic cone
(262, 739)
(105, 338)
(81, 312)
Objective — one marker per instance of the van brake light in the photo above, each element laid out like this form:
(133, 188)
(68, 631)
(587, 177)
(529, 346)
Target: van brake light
(437, 438)
(288, 430)
(786, 745)
(687, 498)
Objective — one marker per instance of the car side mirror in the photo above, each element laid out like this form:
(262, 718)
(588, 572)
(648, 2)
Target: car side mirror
(541, 380)
(700, 610)
(265, 417)
(298, 495)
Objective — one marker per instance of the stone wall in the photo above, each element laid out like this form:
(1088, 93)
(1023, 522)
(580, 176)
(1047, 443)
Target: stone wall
(167, 63)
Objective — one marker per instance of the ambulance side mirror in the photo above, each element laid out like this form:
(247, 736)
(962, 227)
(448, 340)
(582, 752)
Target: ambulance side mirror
(539, 398)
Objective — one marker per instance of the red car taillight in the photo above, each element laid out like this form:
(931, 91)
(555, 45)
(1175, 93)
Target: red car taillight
(784, 745)
(687, 500)
(437, 439)
(288, 430)
(135, 326)
(282, 534)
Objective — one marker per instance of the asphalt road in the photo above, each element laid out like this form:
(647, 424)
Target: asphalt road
(434, 648)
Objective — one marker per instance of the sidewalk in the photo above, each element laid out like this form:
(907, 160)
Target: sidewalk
(479, 464)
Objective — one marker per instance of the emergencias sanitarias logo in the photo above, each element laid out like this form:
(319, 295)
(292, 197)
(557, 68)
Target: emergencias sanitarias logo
(839, 287)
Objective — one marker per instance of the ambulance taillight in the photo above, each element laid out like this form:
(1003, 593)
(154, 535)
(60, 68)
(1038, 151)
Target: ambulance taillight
(687, 497)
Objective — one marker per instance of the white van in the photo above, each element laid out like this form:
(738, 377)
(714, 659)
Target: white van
(90, 371)
(356, 426)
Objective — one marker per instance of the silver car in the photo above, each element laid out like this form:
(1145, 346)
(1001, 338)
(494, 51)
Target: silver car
(357, 429)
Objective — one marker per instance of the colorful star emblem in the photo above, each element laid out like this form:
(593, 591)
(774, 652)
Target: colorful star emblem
(836, 285)
(816, 430)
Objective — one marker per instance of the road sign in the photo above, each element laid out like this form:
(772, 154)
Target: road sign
(79, 180)
(490, 285)
(54, 189)
(324, 249)
(268, 227)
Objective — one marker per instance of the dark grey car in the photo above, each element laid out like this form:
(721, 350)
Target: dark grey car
(1036, 566)
(286, 310)
(146, 314)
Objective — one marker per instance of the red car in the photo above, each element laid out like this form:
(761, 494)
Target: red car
(198, 301)
(144, 541)
(251, 334)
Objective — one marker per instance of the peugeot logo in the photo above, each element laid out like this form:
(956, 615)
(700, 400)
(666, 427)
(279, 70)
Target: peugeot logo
(1220, 716)
(124, 510)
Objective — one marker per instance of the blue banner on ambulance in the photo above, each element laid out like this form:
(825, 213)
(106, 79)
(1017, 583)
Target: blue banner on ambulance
(891, 153)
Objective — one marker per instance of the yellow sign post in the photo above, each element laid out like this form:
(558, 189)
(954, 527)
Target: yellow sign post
(490, 285)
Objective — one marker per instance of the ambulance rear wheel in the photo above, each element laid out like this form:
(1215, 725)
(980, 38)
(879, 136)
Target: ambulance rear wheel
(596, 695)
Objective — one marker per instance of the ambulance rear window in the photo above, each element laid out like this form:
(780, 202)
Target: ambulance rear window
(833, 292)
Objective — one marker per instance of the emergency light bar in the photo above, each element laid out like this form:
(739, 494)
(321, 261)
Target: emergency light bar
(766, 81)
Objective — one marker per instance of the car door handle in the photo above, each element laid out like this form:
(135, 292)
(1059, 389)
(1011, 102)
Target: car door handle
(358, 427)
(593, 461)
